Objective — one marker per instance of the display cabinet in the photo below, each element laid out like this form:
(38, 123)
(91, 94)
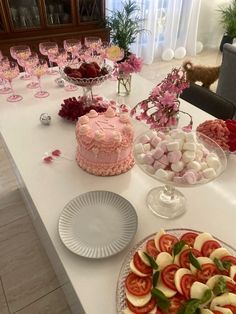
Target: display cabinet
(34, 21)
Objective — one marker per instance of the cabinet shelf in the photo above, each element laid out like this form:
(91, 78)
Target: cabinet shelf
(33, 21)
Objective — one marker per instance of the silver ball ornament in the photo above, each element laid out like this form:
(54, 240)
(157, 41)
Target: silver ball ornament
(45, 118)
(60, 82)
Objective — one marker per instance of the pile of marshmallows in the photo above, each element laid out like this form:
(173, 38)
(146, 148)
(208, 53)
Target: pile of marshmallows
(176, 156)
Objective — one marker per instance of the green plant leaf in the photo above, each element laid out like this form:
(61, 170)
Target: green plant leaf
(155, 278)
(162, 301)
(206, 296)
(191, 306)
(194, 261)
(151, 261)
(220, 286)
(178, 247)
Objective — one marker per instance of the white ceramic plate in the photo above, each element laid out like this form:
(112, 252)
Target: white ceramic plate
(97, 224)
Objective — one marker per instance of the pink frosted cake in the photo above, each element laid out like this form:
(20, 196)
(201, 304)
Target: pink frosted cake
(105, 142)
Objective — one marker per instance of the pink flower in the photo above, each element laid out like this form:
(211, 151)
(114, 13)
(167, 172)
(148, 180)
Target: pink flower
(131, 65)
(168, 98)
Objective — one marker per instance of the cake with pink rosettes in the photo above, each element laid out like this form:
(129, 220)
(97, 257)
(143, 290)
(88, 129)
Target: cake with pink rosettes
(105, 142)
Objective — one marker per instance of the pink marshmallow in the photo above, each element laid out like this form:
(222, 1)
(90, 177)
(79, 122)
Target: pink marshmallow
(178, 180)
(148, 159)
(157, 153)
(164, 160)
(174, 156)
(190, 177)
(158, 165)
(144, 139)
(155, 140)
(163, 146)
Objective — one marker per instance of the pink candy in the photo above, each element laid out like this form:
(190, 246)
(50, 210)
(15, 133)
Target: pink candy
(158, 153)
(148, 159)
(174, 156)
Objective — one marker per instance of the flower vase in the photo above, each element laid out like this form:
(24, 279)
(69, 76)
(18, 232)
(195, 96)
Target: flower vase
(124, 84)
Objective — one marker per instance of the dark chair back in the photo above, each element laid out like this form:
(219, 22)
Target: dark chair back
(209, 101)
(227, 78)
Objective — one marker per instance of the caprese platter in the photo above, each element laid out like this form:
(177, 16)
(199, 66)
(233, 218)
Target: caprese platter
(178, 271)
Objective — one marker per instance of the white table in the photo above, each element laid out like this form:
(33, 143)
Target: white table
(211, 207)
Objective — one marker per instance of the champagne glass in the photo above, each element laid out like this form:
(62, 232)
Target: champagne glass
(4, 63)
(48, 49)
(93, 42)
(9, 73)
(72, 46)
(21, 53)
(38, 70)
(29, 63)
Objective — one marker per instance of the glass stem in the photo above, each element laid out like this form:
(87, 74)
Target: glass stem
(169, 191)
(10, 83)
(39, 81)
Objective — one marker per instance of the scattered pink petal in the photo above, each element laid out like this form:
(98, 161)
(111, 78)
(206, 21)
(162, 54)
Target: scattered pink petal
(48, 159)
(56, 152)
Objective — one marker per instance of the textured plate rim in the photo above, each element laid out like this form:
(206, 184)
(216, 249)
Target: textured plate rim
(129, 255)
(131, 208)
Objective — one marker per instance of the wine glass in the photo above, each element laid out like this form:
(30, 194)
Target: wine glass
(93, 42)
(72, 46)
(9, 73)
(4, 63)
(20, 54)
(48, 49)
(39, 69)
(60, 58)
(176, 158)
(29, 63)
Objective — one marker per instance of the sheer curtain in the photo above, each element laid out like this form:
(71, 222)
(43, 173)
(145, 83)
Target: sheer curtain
(171, 28)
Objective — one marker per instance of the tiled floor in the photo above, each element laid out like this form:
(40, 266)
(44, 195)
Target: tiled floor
(28, 284)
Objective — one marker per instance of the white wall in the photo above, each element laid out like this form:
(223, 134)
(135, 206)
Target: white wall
(210, 30)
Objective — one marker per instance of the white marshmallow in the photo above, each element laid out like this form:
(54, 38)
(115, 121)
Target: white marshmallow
(140, 158)
(161, 135)
(209, 173)
(155, 140)
(151, 134)
(157, 153)
(147, 147)
(181, 143)
(213, 162)
(188, 156)
(148, 159)
(149, 169)
(189, 146)
(138, 148)
(172, 146)
(177, 166)
(199, 155)
(195, 165)
(162, 174)
(144, 139)
(203, 165)
(190, 137)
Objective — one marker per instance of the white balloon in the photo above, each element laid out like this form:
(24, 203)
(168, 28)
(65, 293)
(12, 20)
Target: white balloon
(167, 54)
(180, 53)
(199, 47)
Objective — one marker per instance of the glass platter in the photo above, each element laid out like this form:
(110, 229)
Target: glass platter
(125, 269)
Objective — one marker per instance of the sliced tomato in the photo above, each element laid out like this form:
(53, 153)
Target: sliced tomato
(186, 283)
(168, 275)
(176, 303)
(189, 238)
(231, 307)
(151, 248)
(141, 266)
(166, 242)
(159, 311)
(231, 286)
(209, 246)
(229, 258)
(184, 257)
(207, 271)
(142, 309)
(138, 286)
(216, 312)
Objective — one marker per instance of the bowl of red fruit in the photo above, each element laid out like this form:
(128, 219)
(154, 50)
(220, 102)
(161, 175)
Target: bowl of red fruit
(223, 132)
(86, 73)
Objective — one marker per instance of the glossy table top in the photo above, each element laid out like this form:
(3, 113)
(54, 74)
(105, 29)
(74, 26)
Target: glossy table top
(210, 207)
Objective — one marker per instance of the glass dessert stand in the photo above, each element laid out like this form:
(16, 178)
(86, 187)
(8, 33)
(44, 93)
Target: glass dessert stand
(194, 161)
(87, 83)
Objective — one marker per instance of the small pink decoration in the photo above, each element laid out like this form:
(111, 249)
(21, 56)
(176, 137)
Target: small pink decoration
(48, 159)
(56, 153)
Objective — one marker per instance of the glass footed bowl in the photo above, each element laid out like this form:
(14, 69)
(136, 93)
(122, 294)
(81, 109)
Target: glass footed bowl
(125, 268)
(166, 201)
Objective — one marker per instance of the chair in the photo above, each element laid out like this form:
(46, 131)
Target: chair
(227, 78)
(209, 101)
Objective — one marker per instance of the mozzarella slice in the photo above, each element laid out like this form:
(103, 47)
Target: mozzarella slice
(226, 298)
(201, 239)
(127, 311)
(163, 259)
(202, 260)
(213, 280)
(169, 293)
(135, 270)
(138, 301)
(232, 271)
(197, 290)
(223, 310)
(219, 253)
(157, 238)
(178, 276)
(204, 311)
(143, 257)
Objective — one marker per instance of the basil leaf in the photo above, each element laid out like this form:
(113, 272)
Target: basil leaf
(206, 296)
(227, 264)
(219, 264)
(220, 286)
(194, 261)
(151, 261)
(178, 247)
(155, 278)
(191, 306)
(162, 301)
